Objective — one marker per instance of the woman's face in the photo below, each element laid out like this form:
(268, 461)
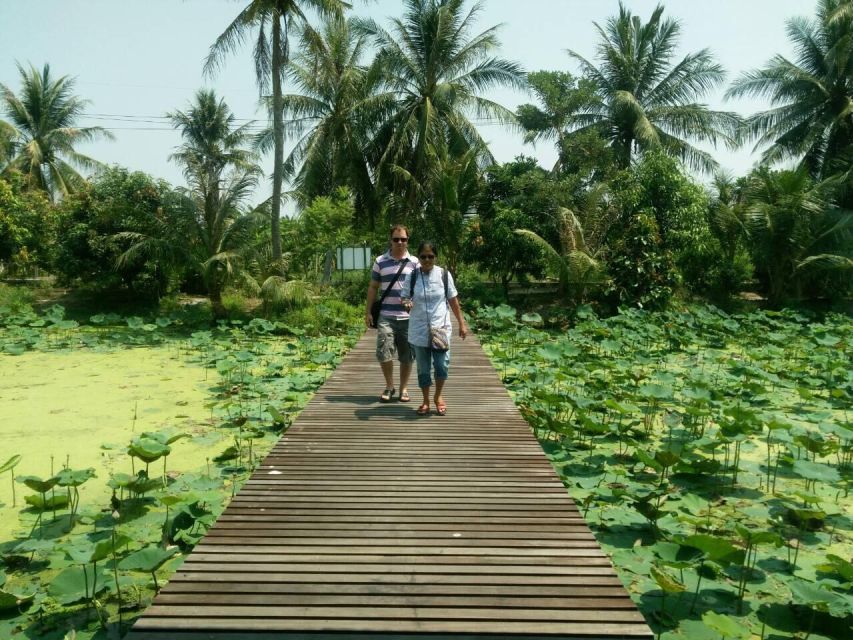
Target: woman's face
(427, 258)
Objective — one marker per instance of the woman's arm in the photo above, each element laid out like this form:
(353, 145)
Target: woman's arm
(457, 311)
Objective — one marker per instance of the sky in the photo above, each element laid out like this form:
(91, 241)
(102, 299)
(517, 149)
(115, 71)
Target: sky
(136, 60)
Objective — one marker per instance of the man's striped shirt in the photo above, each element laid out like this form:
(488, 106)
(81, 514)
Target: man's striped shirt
(385, 267)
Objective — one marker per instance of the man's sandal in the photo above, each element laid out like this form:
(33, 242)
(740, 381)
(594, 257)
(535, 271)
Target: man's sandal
(387, 395)
(404, 396)
(423, 410)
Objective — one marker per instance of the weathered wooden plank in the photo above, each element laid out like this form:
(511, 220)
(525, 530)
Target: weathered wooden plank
(367, 521)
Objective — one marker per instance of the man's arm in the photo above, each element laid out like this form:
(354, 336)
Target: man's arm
(371, 297)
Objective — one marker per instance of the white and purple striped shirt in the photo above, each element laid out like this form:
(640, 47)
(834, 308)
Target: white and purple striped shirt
(385, 267)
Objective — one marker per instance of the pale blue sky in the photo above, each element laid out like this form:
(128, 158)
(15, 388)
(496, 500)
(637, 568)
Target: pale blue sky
(142, 58)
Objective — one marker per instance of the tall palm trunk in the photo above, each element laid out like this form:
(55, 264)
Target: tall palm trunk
(278, 132)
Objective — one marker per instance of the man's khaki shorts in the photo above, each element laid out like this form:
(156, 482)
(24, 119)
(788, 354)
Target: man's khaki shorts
(392, 338)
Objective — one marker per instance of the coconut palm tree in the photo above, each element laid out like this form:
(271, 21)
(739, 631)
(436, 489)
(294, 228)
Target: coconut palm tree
(44, 136)
(646, 101)
(433, 74)
(812, 115)
(272, 20)
(221, 174)
(563, 98)
(8, 138)
(576, 263)
(794, 230)
(326, 116)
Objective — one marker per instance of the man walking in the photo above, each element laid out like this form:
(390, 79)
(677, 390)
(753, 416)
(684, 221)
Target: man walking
(392, 327)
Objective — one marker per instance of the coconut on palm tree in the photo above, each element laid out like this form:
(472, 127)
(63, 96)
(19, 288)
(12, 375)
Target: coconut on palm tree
(433, 72)
(41, 134)
(273, 21)
(645, 99)
(811, 119)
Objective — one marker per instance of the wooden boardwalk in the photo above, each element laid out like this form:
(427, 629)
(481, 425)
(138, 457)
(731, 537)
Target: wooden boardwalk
(367, 521)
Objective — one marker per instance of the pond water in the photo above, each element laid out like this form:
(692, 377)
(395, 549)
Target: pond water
(79, 406)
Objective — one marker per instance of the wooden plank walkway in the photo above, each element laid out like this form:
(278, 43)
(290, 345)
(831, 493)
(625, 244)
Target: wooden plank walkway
(367, 521)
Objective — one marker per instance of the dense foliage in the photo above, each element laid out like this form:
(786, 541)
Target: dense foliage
(389, 116)
(712, 454)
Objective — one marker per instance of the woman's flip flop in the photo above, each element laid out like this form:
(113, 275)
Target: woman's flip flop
(441, 409)
(423, 410)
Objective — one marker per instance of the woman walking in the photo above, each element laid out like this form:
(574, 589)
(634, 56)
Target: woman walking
(429, 294)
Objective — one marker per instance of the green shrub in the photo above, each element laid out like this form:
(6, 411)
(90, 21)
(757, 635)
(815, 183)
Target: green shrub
(643, 272)
(280, 295)
(237, 306)
(351, 287)
(327, 317)
(16, 299)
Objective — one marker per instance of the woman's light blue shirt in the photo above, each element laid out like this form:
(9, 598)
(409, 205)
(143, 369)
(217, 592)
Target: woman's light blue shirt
(429, 306)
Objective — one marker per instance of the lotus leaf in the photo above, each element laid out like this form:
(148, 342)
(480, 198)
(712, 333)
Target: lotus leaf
(820, 596)
(37, 484)
(72, 585)
(667, 582)
(11, 601)
(148, 450)
(837, 564)
(716, 549)
(147, 559)
(726, 626)
(49, 503)
(11, 463)
(74, 478)
(815, 471)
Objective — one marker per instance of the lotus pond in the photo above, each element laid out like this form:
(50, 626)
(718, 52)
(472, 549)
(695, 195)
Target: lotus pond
(122, 441)
(711, 454)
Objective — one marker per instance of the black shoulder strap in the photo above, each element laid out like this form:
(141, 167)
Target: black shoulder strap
(415, 277)
(391, 284)
(412, 283)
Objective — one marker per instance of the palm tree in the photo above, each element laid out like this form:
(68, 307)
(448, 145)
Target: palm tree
(647, 102)
(433, 73)
(812, 115)
(221, 175)
(575, 261)
(273, 20)
(794, 230)
(563, 99)
(43, 132)
(326, 116)
(8, 139)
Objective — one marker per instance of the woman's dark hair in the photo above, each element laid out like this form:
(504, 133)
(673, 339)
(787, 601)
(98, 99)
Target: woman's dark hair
(427, 244)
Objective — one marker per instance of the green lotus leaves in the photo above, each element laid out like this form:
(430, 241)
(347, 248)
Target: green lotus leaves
(10, 601)
(838, 565)
(147, 559)
(666, 581)
(74, 478)
(815, 471)
(726, 626)
(148, 449)
(821, 597)
(10, 464)
(38, 484)
(77, 583)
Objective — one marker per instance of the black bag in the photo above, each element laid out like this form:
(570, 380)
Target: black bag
(376, 307)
